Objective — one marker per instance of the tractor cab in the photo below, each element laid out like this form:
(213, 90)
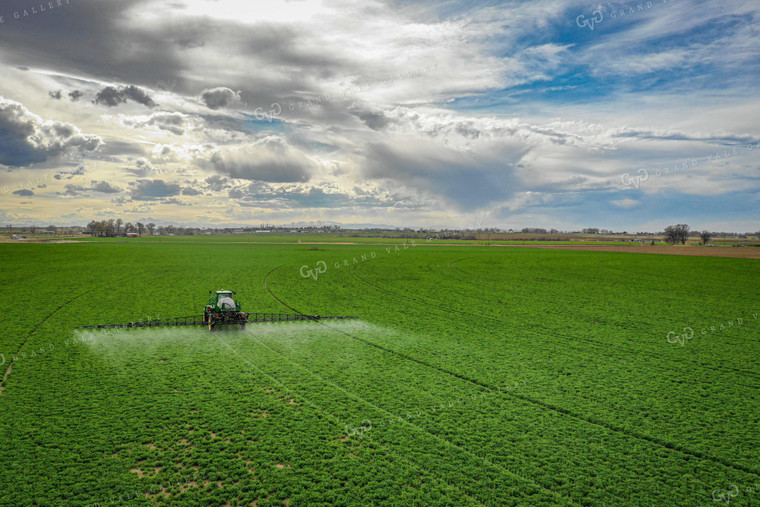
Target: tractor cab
(223, 300)
(223, 309)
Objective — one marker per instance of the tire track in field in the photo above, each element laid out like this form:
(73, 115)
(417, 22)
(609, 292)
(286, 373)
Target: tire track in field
(683, 361)
(673, 446)
(613, 427)
(331, 417)
(675, 300)
(36, 327)
(409, 358)
(426, 300)
(422, 430)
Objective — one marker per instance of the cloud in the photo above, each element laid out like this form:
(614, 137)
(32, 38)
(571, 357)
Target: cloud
(75, 190)
(174, 200)
(374, 120)
(104, 187)
(217, 183)
(58, 95)
(144, 168)
(79, 171)
(27, 139)
(265, 195)
(450, 106)
(153, 190)
(269, 159)
(466, 179)
(24, 192)
(95, 186)
(626, 203)
(112, 96)
(173, 122)
(217, 98)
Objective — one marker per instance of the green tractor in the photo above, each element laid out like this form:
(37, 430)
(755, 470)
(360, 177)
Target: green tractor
(223, 309)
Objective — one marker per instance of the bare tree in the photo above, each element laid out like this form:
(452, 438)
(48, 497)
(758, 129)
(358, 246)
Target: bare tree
(151, 227)
(677, 234)
(119, 221)
(705, 236)
(92, 228)
(140, 228)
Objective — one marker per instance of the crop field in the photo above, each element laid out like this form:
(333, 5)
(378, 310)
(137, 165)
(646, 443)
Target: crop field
(473, 375)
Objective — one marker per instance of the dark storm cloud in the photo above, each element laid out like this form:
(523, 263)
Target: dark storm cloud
(217, 98)
(465, 179)
(113, 96)
(89, 37)
(150, 54)
(75, 95)
(24, 192)
(190, 191)
(153, 190)
(27, 139)
(290, 48)
(269, 159)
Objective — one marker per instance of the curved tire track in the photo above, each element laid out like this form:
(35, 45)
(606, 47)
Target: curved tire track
(673, 446)
(8, 371)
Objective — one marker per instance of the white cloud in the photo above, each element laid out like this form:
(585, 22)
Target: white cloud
(626, 203)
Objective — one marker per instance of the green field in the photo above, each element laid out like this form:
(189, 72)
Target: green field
(473, 376)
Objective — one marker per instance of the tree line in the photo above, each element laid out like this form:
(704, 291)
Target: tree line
(680, 234)
(111, 228)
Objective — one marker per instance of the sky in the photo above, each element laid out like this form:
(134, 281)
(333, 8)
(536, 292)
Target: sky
(546, 113)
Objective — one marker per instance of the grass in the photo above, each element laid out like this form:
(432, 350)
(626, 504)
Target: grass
(474, 376)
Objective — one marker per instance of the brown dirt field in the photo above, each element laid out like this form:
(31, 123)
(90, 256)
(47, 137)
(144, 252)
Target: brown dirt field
(718, 251)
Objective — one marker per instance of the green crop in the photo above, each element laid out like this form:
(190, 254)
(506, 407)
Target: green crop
(474, 375)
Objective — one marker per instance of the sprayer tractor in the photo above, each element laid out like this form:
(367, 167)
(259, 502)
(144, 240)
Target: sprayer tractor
(223, 309)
